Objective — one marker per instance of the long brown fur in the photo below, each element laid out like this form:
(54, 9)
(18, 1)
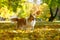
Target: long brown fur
(22, 22)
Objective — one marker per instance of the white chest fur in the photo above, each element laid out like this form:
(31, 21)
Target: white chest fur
(33, 22)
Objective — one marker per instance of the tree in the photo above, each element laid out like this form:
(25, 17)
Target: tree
(53, 6)
(12, 7)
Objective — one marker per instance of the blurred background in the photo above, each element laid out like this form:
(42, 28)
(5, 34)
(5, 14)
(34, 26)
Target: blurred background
(49, 10)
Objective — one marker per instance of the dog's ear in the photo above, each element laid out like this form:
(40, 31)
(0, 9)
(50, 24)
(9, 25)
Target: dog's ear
(31, 15)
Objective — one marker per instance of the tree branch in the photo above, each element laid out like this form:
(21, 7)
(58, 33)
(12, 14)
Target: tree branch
(57, 9)
(51, 12)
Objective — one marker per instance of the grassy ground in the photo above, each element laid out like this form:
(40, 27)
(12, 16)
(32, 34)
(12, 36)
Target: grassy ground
(41, 32)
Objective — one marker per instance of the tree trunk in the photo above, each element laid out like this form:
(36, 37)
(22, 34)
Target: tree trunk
(53, 17)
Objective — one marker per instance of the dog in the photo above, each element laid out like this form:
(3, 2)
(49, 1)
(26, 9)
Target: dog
(25, 23)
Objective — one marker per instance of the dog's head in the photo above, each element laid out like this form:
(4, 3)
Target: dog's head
(31, 18)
